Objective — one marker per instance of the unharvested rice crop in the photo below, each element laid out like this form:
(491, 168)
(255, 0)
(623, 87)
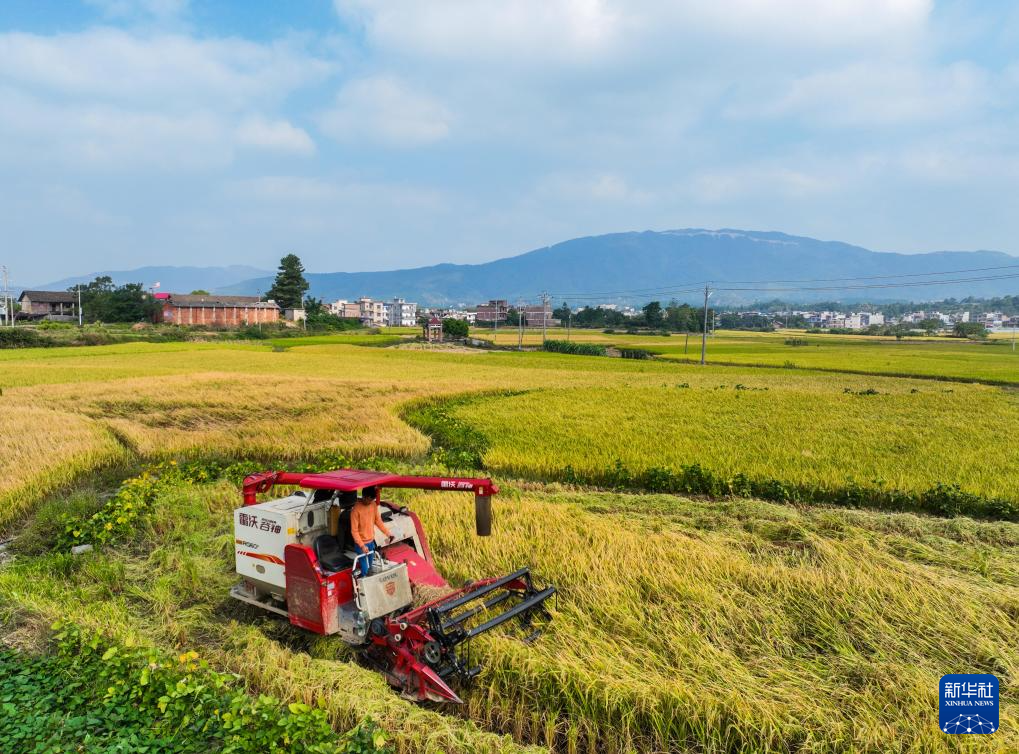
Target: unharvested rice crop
(904, 439)
(941, 357)
(44, 449)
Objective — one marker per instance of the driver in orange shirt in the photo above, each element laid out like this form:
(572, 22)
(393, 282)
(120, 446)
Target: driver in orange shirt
(364, 517)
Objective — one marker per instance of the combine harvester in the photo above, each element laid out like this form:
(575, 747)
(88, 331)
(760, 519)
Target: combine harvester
(296, 557)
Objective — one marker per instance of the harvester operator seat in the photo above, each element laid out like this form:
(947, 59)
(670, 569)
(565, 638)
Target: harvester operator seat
(330, 554)
(331, 549)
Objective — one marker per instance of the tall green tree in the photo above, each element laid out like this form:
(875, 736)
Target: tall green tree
(102, 301)
(974, 330)
(653, 314)
(455, 328)
(290, 286)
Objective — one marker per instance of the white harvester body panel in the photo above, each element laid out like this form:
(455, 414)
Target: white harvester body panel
(262, 532)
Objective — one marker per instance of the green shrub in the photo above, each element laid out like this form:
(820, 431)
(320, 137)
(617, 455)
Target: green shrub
(116, 697)
(118, 518)
(635, 353)
(254, 332)
(93, 338)
(21, 337)
(571, 347)
(455, 328)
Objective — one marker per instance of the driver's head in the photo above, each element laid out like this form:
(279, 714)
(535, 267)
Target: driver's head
(367, 495)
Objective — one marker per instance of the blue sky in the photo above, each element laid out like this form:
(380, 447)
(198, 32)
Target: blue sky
(374, 134)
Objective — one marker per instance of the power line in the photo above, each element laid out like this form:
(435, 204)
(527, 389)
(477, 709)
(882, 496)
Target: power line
(877, 277)
(875, 286)
(678, 288)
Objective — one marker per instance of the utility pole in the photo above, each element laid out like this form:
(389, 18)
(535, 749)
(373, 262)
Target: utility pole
(79, 304)
(8, 309)
(704, 330)
(520, 323)
(544, 317)
(569, 322)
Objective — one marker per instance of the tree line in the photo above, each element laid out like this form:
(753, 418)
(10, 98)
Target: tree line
(673, 316)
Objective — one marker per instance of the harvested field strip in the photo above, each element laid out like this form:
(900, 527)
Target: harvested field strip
(681, 625)
(167, 585)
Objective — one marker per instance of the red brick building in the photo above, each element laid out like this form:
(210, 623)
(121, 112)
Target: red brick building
(496, 310)
(217, 311)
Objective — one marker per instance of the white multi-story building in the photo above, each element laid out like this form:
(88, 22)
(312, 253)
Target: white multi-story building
(400, 313)
(462, 314)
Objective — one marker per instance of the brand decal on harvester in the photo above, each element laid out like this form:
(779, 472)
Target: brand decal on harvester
(968, 703)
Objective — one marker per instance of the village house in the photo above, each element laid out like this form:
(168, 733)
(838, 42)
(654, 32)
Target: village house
(496, 310)
(59, 306)
(345, 309)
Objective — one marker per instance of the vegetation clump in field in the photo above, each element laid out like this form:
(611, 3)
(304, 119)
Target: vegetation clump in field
(574, 348)
(21, 337)
(116, 696)
(636, 353)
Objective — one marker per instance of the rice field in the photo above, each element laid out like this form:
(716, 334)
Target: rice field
(683, 624)
(936, 357)
(900, 437)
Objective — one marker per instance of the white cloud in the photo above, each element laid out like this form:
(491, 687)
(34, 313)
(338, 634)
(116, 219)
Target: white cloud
(106, 98)
(274, 135)
(599, 187)
(108, 137)
(536, 32)
(286, 191)
(168, 71)
(764, 180)
(160, 10)
(880, 93)
(385, 110)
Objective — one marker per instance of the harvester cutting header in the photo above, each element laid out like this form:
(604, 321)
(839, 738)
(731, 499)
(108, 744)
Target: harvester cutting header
(336, 558)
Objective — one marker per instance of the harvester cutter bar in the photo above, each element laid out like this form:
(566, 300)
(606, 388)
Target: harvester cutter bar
(481, 591)
(524, 607)
(449, 627)
(468, 614)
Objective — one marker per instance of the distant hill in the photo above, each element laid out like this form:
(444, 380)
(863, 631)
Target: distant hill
(171, 279)
(632, 262)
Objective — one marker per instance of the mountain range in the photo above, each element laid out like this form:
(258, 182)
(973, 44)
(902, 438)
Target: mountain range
(635, 267)
(170, 278)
